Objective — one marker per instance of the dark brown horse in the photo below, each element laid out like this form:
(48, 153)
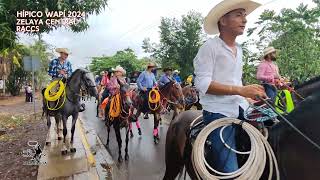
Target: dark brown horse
(297, 158)
(122, 120)
(169, 93)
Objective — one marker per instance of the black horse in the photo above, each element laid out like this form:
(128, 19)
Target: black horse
(80, 79)
(297, 158)
(122, 120)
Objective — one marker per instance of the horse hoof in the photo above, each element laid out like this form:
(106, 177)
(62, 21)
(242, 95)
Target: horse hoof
(126, 157)
(73, 150)
(48, 143)
(120, 159)
(64, 152)
(59, 138)
(131, 135)
(156, 140)
(139, 132)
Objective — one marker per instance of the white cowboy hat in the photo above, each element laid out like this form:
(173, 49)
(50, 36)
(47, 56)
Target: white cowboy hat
(119, 69)
(211, 21)
(63, 50)
(176, 71)
(269, 50)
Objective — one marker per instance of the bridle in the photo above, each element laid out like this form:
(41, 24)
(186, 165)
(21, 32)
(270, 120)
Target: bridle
(87, 85)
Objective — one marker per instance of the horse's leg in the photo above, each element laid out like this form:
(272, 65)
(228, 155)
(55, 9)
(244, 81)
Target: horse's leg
(138, 126)
(130, 129)
(108, 129)
(57, 118)
(116, 126)
(49, 132)
(64, 148)
(98, 104)
(175, 112)
(73, 126)
(155, 128)
(126, 156)
(137, 121)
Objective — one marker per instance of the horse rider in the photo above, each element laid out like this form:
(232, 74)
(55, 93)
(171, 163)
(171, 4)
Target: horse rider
(61, 68)
(166, 77)
(146, 81)
(113, 86)
(176, 76)
(218, 70)
(189, 80)
(268, 72)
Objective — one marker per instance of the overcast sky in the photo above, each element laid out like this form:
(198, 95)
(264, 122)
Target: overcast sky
(125, 23)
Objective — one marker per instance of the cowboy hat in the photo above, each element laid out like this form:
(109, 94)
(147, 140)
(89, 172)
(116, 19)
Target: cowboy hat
(119, 69)
(176, 71)
(151, 64)
(167, 69)
(224, 7)
(269, 50)
(63, 50)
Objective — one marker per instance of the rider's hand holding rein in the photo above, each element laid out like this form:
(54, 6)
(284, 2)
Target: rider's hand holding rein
(249, 91)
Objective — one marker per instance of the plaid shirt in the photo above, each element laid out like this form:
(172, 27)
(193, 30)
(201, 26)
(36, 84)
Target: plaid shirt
(55, 67)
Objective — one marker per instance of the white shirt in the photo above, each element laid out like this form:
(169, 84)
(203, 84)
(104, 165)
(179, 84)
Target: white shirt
(216, 62)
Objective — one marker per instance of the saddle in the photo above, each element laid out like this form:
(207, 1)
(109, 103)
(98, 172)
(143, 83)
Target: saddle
(260, 118)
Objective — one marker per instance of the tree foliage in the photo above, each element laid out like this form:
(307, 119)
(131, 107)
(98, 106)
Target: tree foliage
(179, 42)
(295, 32)
(9, 8)
(125, 58)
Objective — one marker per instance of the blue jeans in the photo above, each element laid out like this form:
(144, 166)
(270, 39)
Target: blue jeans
(220, 157)
(271, 91)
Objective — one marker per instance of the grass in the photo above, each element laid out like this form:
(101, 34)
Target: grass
(10, 122)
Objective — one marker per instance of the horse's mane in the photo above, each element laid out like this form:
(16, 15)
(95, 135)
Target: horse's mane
(76, 72)
(166, 85)
(312, 80)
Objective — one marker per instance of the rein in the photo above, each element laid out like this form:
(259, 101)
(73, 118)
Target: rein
(290, 124)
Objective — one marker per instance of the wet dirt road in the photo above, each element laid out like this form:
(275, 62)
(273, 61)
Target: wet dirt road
(147, 160)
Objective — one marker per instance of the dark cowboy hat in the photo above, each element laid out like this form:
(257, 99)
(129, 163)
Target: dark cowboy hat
(167, 69)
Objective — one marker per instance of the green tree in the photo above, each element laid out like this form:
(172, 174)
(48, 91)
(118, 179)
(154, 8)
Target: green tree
(125, 58)
(179, 42)
(42, 50)
(9, 8)
(296, 33)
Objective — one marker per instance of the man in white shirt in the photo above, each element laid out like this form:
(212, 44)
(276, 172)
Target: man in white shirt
(218, 70)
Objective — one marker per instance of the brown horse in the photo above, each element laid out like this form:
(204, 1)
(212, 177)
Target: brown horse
(122, 120)
(190, 97)
(290, 147)
(169, 93)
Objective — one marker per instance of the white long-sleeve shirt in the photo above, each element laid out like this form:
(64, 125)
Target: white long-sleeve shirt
(215, 62)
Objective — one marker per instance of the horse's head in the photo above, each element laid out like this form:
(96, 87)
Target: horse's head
(126, 94)
(174, 93)
(87, 83)
(190, 95)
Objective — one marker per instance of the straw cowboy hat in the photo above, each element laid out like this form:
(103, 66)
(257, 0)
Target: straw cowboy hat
(119, 69)
(211, 21)
(63, 50)
(176, 71)
(151, 64)
(269, 50)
